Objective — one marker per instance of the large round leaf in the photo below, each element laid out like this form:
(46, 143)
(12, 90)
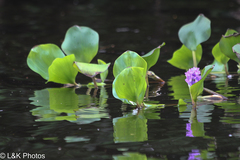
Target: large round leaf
(42, 56)
(90, 70)
(62, 71)
(196, 32)
(183, 59)
(152, 57)
(81, 41)
(128, 59)
(130, 84)
(227, 42)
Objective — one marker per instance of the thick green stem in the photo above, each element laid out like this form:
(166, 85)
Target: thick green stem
(194, 59)
(193, 102)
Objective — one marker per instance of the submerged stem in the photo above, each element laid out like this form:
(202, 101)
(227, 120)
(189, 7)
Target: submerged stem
(95, 83)
(147, 89)
(226, 70)
(194, 59)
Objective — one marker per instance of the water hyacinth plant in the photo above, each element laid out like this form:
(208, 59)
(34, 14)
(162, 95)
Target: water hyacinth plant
(79, 47)
(195, 81)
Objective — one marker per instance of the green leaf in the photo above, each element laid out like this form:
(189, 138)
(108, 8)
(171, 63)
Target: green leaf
(42, 56)
(81, 41)
(227, 42)
(90, 70)
(196, 32)
(128, 59)
(130, 84)
(236, 50)
(62, 71)
(152, 57)
(218, 67)
(218, 55)
(104, 74)
(183, 59)
(197, 88)
(181, 102)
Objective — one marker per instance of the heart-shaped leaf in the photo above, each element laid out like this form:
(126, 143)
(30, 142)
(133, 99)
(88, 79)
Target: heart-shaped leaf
(81, 41)
(128, 59)
(197, 88)
(227, 42)
(183, 59)
(104, 74)
(90, 70)
(130, 84)
(236, 50)
(152, 57)
(61, 71)
(42, 56)
(196, 32)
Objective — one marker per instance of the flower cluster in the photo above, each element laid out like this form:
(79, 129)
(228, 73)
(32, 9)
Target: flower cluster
(193, 75)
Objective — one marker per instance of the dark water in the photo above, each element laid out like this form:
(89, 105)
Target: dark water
(45, 121)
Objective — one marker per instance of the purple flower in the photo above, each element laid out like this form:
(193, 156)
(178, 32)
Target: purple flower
(193, 75)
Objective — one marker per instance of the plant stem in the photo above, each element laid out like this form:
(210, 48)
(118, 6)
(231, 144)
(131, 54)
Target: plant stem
(147, 89)
(193, 102)
(95, 83)
(226, 70)
(194, 59)
(214, 93)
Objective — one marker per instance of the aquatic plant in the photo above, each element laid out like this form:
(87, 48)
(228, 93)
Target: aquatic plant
(191, 35)
(195, 81)
(79, 47)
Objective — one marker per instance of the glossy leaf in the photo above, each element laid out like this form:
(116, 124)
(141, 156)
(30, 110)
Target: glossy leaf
(218, 55)
(128, 59)
(197, 88)
(90, 70)
(152, 57)
(227, 42)
(130, 84)
(236, 50)
(42, 56)
(196, 32)
(62, 71)
(183, 59)
(218, 67)
(82, 42)
(104, 74)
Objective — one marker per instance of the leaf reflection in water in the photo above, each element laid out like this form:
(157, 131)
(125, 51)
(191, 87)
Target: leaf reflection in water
(56, 104)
